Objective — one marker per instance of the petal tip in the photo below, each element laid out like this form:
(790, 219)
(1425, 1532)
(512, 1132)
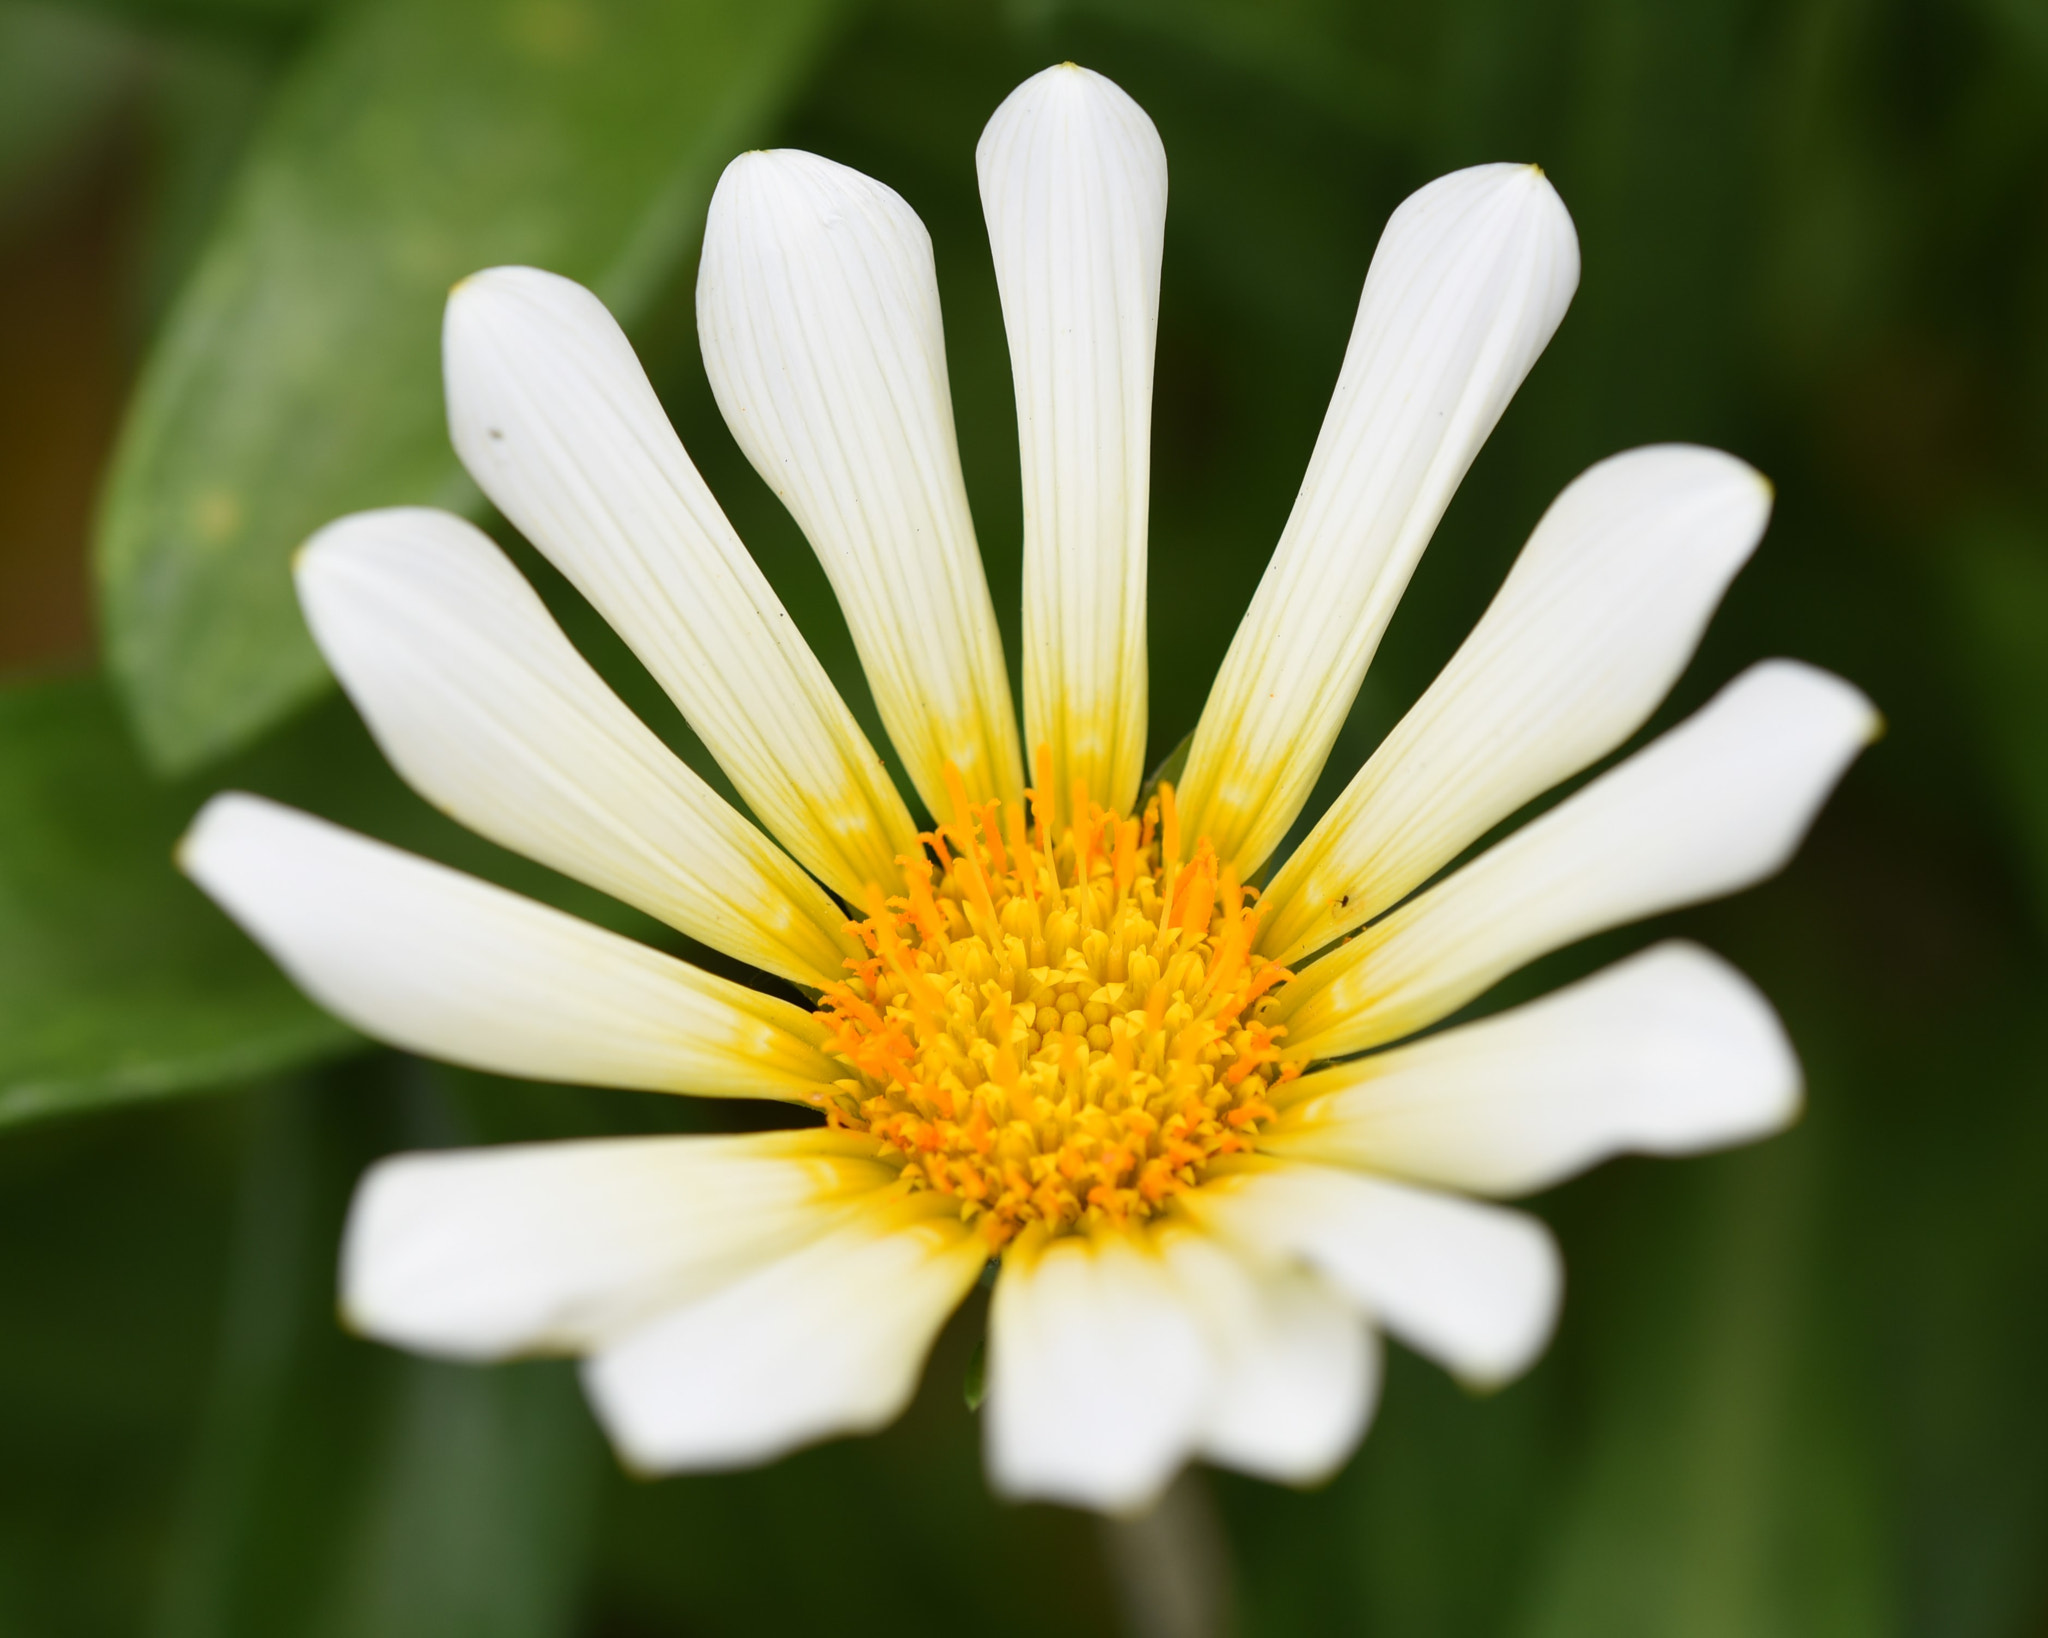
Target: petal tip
(194, 851)
(491, 296)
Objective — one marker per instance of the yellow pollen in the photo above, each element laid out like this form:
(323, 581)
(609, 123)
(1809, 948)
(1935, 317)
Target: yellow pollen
(1051, 1024)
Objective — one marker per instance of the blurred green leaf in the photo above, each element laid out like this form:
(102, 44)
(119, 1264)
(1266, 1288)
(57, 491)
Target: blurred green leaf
(246, 19)
(343, 1490)
(1726, 1478)
(115, 1233)
(1353, 63)
(61, 74)
(1968, 1265)
(878, 1537)
(117, 979)
(1999, 586)
(207, 95)
(1426, 1530)
(297, 378)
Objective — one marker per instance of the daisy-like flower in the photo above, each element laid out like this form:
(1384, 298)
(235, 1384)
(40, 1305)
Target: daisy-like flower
(1060, 1032)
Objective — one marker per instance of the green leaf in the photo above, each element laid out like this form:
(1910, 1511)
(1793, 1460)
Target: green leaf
(1726, 1479)
(1345, 61)
(1999, 594)
(116, 1230)
(208, 95)
(218, 19)
(60, 76)
(117, 979)
(1171, 767)
(297, 378)
(344, 1490)
(974, 1384)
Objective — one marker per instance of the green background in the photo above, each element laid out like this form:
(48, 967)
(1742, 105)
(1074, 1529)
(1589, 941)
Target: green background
(1798, 1389)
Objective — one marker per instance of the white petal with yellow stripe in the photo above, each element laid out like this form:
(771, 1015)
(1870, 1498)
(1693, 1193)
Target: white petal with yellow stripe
(480, 701)
(1590, 629)
(827, 1339)
(554, 418)
(1073, 183)
(1669, 1052)
(1716, 804)
(1470, 278)
(429, 959)
(818, 312)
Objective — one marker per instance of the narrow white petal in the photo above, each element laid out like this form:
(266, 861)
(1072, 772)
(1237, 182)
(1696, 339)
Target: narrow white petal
(829, 1339)
(428, 959)
(1669, 1052)
(491, 714)
(1099, 1373)
(555, 419)
(1073, 183)
(818, 310)
(1471, 276)
(1475, 1287)
(562, 1247)
(1718, 803)
(1297, 1369)
(1588, 633)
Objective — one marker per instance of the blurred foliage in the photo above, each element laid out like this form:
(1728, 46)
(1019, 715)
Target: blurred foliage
(296, 377)
(117, 980)
(1796, 1391)
(60, 73)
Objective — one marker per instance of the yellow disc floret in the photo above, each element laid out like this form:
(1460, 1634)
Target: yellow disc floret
(1052, 1024)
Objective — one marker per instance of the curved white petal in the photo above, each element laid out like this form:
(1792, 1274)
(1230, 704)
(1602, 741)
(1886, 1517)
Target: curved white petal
(1099, 1374)
(1471, 276)
(1718, 803)
(827, 1340)
(1475, 1287)
(1669, 1052)
(1073, 183)
(1297, 1370)
(563, 1247)
(554, 418)
(1588, 633)
(818, 311)
(437, 962)
(490, 713)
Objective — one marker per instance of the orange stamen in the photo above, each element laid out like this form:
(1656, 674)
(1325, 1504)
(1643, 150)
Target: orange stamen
(1050, 1027)
(1169, 825)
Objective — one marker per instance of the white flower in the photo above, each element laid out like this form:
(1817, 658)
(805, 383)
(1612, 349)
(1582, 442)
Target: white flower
(1062, 1031)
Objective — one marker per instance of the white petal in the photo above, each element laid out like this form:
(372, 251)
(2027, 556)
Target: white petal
(818, 310)
(1099, 1375)
(490, 713)
(428, 959)
(1471, 276)
(1473, 1286)
(1073, 183)
(1669, 1052)
(1297, 1370)
(554, 418)
(827, 1340)
(1718, 803)
(561, 1247)
(1588, 633)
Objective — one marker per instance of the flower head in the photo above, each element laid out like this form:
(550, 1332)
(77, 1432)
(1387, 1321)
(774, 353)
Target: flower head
(1194, 1121)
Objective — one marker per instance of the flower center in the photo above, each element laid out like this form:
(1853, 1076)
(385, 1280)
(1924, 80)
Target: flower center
(1051, 1022)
